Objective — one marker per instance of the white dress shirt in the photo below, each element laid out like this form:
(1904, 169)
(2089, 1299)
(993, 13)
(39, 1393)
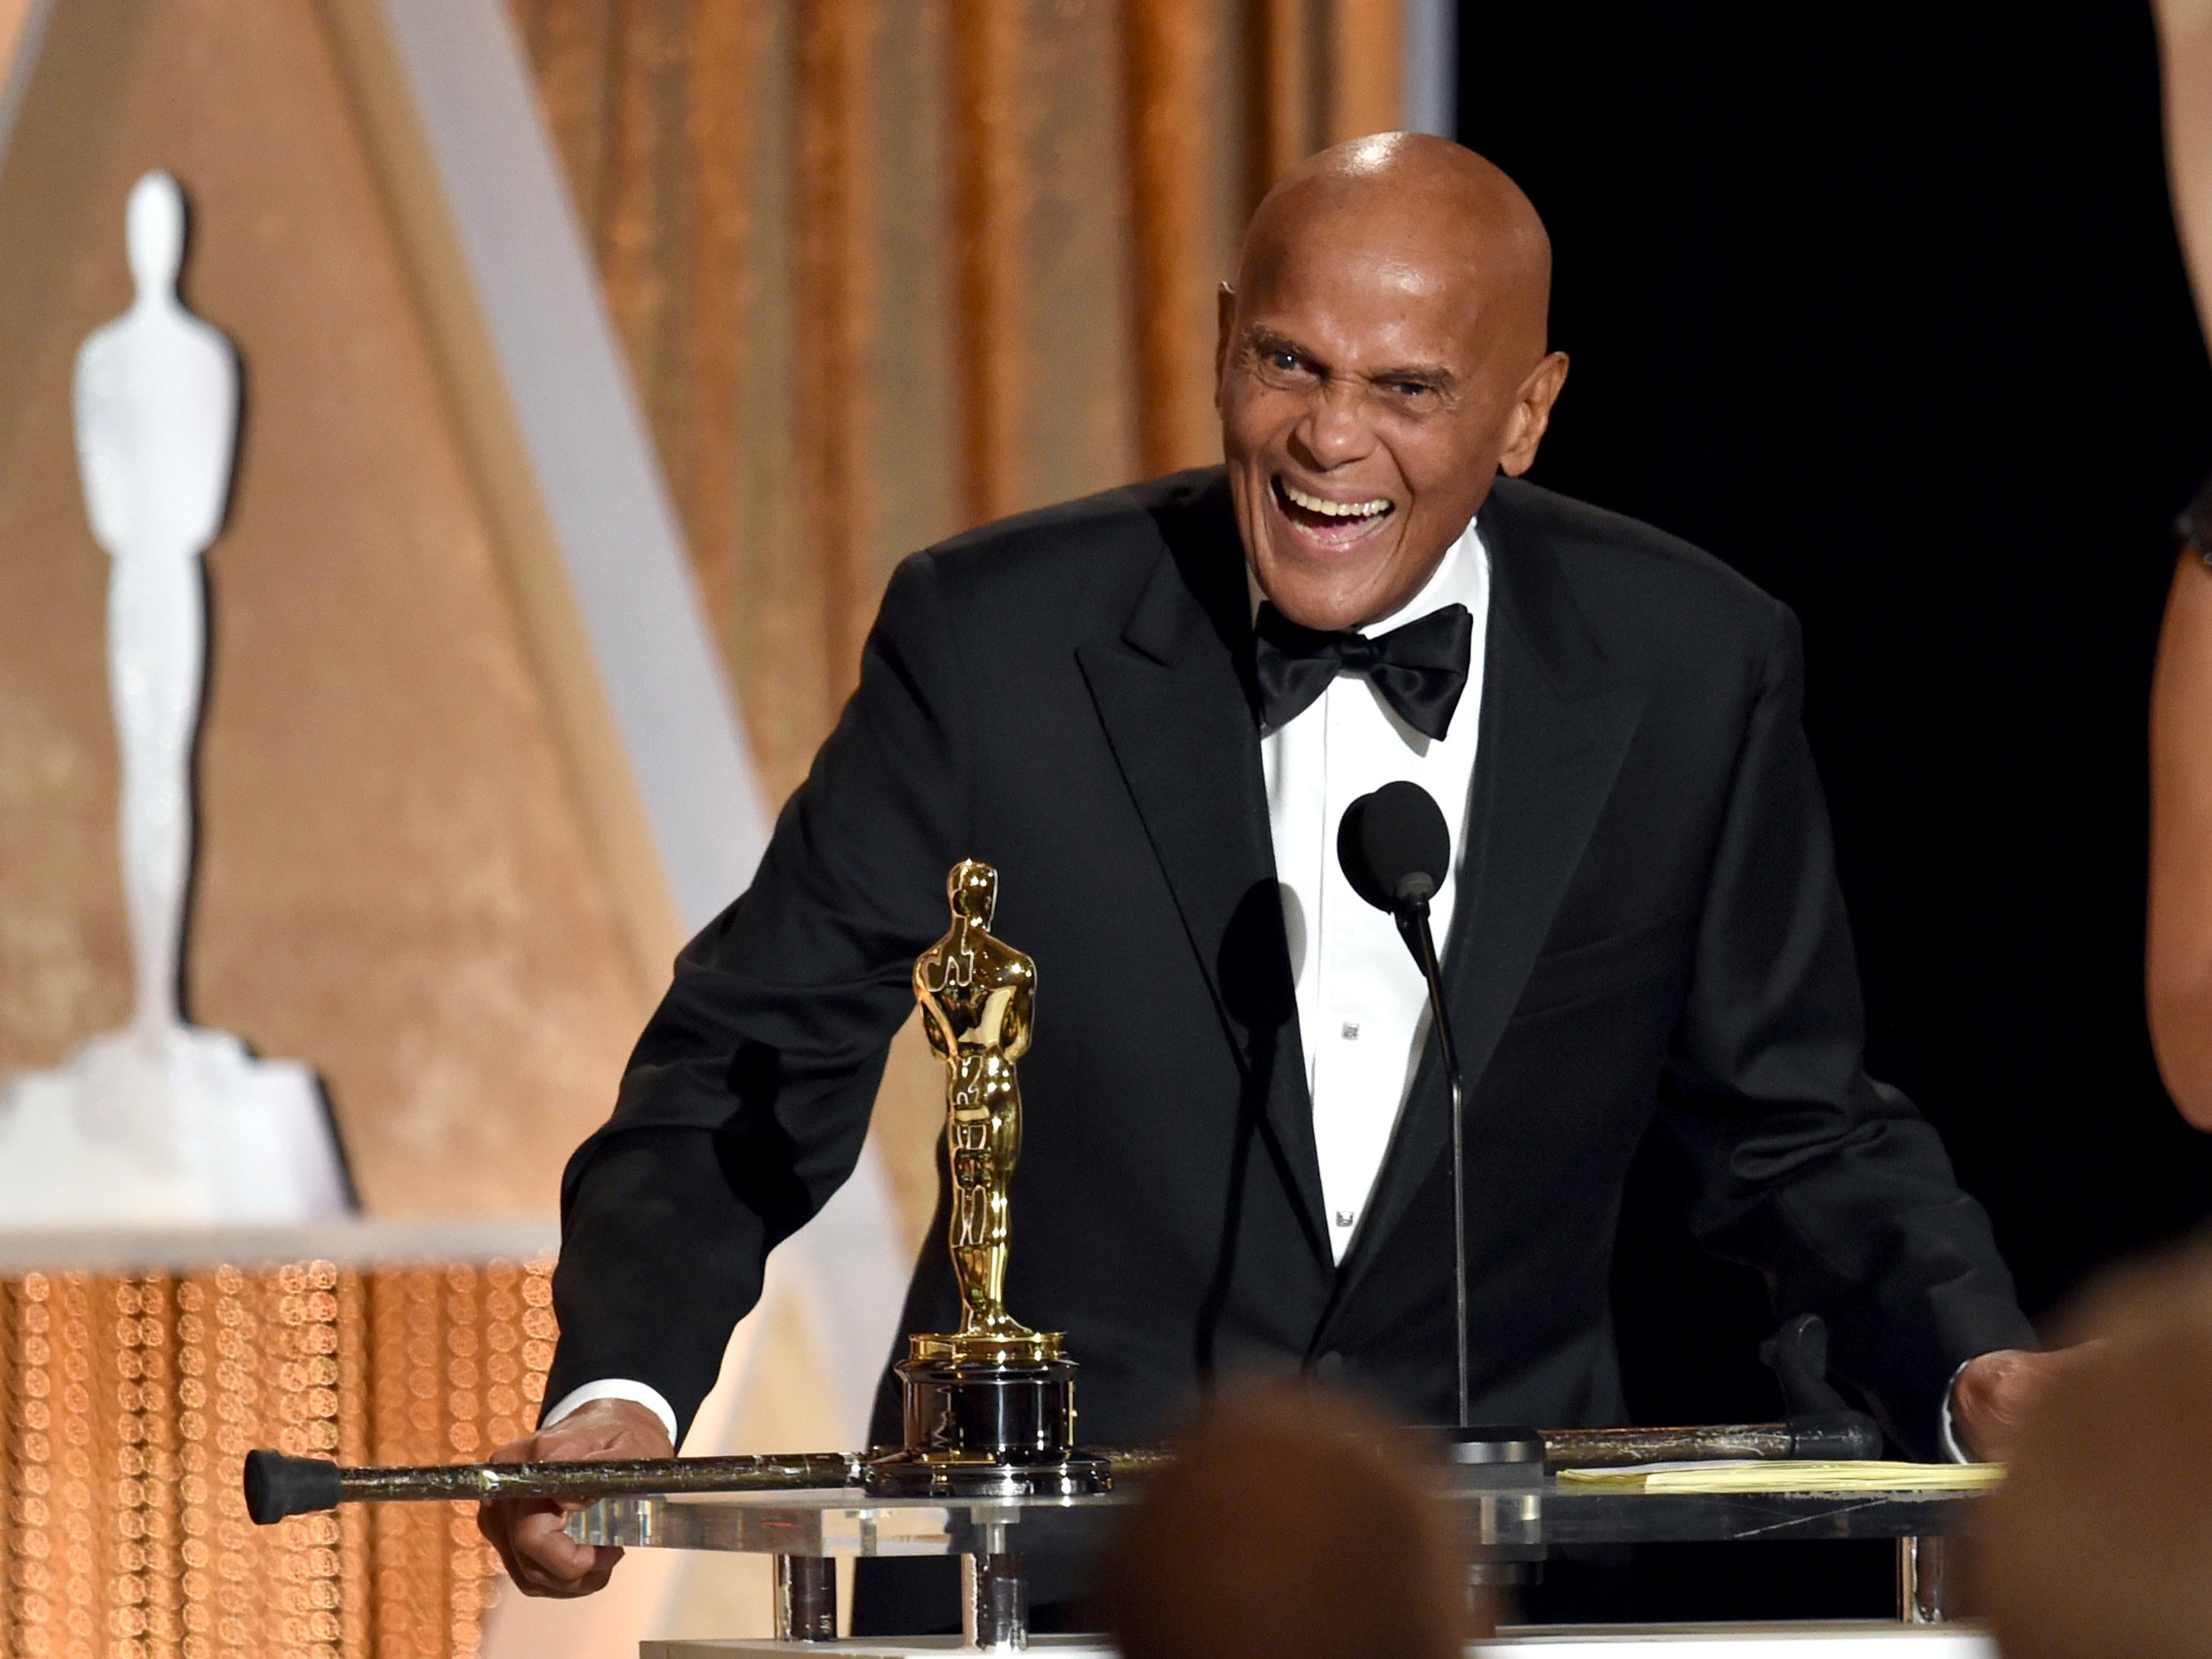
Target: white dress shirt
(1362, 1007)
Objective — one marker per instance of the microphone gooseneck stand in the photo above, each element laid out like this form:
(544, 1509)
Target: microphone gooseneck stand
(1395, 849)
(1411, 914)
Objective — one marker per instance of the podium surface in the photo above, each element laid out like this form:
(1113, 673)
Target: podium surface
(1854, 1639)
(1504, 1528)
(849, 1522)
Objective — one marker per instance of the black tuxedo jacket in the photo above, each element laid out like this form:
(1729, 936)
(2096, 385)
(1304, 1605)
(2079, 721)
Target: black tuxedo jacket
(1649, 923)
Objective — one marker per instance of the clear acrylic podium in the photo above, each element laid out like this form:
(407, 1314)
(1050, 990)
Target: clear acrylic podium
(1507, 1530)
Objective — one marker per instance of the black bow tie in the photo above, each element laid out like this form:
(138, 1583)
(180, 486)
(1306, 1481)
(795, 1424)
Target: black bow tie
(1420, 669)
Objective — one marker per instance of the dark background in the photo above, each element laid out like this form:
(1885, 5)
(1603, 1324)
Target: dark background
(1882, 304)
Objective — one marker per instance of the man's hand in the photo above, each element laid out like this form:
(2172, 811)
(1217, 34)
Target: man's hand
(1994, 1392)
(540, 1558)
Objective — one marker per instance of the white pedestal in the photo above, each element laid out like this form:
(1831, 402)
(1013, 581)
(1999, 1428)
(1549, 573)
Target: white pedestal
(176, 1128)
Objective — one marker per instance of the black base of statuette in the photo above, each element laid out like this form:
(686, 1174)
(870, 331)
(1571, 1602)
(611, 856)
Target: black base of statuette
(988, 1429)
(1497, 1454)
(1501, 1468)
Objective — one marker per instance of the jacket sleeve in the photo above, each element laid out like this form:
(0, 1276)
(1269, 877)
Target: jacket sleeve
(1830, 1182)
(747, 1099)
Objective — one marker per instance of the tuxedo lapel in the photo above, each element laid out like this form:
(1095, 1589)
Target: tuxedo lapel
(1554, 730)
(1172, 696)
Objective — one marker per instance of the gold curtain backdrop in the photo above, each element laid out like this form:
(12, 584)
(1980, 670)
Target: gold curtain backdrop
(886, 268)
(128, 1401)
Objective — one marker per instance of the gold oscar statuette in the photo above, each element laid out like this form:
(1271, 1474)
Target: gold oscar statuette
(978, 998)
(989, 1408)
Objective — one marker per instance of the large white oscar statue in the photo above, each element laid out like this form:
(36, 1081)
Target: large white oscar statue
(162, 1122)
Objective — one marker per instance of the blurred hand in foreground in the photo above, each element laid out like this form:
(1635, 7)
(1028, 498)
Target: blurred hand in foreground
(1994, 1393)
(1291, 1525)
(2098, 1545)
(540, 1558)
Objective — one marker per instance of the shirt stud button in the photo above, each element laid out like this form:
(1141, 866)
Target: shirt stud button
(1350, 1031)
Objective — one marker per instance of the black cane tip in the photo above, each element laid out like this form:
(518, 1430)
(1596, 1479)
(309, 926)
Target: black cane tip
(278, 1486)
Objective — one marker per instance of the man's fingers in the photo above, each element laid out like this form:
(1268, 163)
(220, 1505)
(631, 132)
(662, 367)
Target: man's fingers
(539, 1537)
(1998, 1391)
(603, 1428)
(593, 1577)
(604, 1557)
(539, 1556)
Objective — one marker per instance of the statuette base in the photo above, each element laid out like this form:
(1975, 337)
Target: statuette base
(988, 1429)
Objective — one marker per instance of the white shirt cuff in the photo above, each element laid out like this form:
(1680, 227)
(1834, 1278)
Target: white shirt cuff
(1947, 1439)
(621, 1387)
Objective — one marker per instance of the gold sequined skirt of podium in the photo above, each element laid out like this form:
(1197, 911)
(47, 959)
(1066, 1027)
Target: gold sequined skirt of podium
(129, 1397)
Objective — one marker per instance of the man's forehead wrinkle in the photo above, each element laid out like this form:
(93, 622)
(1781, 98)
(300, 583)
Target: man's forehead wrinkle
(1410, 272)
(1472, 280)
(1420, 266)
(1260, 336)
(1413, 369)
(1443, 321)
(1389, 357)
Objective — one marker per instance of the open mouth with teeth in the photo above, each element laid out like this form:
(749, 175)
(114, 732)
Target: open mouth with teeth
(1329, 523)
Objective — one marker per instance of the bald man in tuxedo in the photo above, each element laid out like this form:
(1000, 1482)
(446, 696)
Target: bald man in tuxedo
(1148, 710)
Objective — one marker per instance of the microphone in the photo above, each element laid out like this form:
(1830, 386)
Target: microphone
(1395, 849)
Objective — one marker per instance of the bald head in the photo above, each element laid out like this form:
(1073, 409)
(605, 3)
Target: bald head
(1382, 358)
(1435, 207)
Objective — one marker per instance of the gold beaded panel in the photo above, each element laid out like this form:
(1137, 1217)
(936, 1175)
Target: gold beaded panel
(130, 1401)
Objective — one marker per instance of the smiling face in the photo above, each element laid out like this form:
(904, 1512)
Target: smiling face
(1381, 358)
